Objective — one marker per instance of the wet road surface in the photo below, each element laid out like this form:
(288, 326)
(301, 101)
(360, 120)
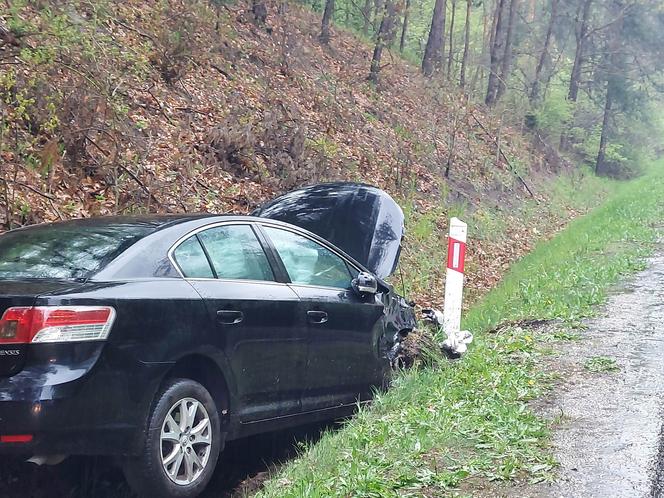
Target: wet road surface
(608, 438)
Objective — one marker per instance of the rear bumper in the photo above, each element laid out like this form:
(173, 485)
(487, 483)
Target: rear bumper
(92, 406)
(54, 430)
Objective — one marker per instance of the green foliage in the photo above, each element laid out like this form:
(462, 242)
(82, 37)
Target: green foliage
(489, 224)
(586, 141)
(565, 277)
(579, 189)
(424, 250)
(599, 364)
(403, 133)
(565, 335)
(15, 22)
(324, 146)
(554, 113)
(460, 420)
(614, 153)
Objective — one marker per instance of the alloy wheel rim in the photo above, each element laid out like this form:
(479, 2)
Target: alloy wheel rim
(185, 441)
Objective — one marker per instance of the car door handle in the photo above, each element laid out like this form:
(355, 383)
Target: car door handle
(230, 317)
(317, 317)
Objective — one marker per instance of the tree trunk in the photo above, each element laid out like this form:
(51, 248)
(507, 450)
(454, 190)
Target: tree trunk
(506, 63)
(379, 6)
(488, 28)
(604, 137)
(325, 24)
(451, 42)
(366, 16)
(534, 91)
(532, 10)
(433, 53)
(581, 35)
(615, 71)
(466, 44)
(259, 10)
(494, 21)
(496, 51)
(383, 37)
(404, 28)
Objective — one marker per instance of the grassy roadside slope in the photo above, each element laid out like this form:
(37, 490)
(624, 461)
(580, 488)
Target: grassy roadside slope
(441, 428)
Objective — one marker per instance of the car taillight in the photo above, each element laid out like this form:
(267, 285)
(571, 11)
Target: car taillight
(22, 325)
(16, 438)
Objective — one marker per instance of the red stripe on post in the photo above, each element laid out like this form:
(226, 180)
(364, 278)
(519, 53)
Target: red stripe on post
(456, 254)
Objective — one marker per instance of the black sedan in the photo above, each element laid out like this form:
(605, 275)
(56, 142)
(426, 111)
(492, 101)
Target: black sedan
(158, 338)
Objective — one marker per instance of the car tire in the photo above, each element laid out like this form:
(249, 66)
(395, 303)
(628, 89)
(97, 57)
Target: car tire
(181, 446)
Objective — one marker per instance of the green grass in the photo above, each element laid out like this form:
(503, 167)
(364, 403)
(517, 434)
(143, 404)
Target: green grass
(599, 364)
(425, 246)
(439, 426)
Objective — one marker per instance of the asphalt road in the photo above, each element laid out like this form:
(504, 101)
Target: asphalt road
(609, 436)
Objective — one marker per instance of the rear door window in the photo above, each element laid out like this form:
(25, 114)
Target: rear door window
(192, 260)
(307, 262)
(235, 253)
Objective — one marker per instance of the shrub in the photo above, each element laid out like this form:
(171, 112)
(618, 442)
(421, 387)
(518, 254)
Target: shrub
(272, 150)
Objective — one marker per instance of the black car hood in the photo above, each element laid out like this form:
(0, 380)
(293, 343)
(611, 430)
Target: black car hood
(363, 221)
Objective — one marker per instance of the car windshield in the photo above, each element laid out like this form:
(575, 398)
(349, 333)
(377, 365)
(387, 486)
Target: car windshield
(65, 251)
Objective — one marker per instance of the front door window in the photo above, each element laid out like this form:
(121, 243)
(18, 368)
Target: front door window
(307, 262)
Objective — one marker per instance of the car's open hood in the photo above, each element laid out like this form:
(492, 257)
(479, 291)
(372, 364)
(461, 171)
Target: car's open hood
(362, 220)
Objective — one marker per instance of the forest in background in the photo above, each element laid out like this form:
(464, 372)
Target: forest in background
(583, 75)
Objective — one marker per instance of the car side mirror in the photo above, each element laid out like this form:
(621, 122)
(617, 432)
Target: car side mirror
(365, 283)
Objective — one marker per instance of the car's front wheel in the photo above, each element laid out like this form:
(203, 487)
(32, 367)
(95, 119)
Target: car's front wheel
(181, 445)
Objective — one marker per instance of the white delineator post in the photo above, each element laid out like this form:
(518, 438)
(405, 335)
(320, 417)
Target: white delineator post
(456, 254)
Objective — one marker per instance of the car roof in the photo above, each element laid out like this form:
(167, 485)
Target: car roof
(168, 230)
(152, 222)
(162, 232)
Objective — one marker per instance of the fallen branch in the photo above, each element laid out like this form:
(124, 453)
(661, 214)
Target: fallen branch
(123, 168)
(46, 195)
(140, 183)
(30, 187)
(213, 191)
(160, 105)
(138, 32)
(191, 109)
(222, 71)
(57, 211)
(502, 154)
